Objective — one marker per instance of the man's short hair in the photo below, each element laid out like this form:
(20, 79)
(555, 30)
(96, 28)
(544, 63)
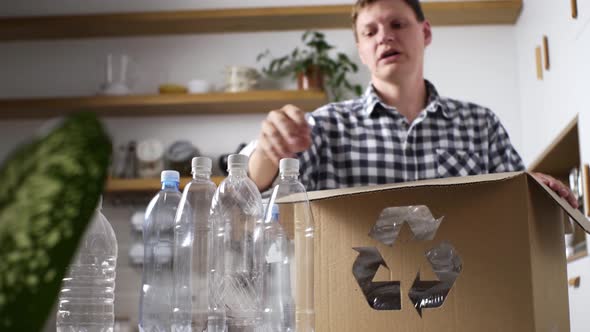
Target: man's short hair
(360, 4)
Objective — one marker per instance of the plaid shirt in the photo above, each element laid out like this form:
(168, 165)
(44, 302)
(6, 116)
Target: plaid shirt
(365, 142)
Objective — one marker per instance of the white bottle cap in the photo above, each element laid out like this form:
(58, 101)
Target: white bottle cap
(289, 165)
(170, 176)
(201, 163)
(237, 161)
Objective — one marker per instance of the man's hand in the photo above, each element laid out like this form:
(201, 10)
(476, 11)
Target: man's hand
(284, 132)
(560, 188)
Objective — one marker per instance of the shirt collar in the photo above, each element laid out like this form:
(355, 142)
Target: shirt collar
(371, 101)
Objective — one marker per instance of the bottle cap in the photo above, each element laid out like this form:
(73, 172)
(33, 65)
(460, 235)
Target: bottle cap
(237, 161)
(201, 163)
(170, 176)
(289, 165)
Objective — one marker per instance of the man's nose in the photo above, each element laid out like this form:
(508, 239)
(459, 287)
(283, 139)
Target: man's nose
(386, 35)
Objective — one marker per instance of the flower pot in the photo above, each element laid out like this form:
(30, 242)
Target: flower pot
(311, 79)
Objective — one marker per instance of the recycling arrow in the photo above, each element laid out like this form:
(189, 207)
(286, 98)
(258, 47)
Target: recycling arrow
(381, 295)
(447, 265)
(443, 258)
(428, 294)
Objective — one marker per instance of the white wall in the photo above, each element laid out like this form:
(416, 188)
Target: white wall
(548, 105)
(463, 62)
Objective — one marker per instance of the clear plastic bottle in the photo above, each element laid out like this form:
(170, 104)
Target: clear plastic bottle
(88, 291)
(191, 247)
(278, 303)
(155, 303)
(236, 258)
(298, 217)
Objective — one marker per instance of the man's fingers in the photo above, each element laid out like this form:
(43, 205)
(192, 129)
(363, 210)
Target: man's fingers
(284, 132)
(275, 140)
(561, 189)
(285, 125)
(297, 116)
(290, 123)
(269, 150)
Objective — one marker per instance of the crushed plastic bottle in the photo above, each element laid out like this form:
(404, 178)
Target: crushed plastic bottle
(191, 247)
(236, 258)
(155, 304)
(87, 295)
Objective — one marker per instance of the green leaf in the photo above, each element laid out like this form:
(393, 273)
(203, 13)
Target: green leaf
(50, 188)
(358, 90)
(316, 53)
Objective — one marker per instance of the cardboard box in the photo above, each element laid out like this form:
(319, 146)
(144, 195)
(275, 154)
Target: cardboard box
(507, 229)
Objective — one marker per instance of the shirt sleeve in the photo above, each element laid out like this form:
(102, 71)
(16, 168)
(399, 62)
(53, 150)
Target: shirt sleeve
(502, 155)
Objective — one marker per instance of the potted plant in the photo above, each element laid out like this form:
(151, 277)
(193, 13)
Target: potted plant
(314, 68)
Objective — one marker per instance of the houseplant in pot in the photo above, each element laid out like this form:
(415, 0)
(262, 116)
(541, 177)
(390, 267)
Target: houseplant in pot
(314, 67)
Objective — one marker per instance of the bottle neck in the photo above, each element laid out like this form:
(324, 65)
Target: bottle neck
(201, 175)
(289, 175)
(240, 172)
(170, 185)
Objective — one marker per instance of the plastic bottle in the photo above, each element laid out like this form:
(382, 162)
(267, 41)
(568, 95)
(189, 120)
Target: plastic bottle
(191, 247)
(88, 291)
(297, 217)
(278, 304)
(236, 258)
(155, 303)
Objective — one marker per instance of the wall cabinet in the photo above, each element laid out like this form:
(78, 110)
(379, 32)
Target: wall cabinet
(549, 104)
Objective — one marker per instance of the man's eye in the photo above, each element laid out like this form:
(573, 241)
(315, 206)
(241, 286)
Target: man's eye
(368, 33)
(398, 25)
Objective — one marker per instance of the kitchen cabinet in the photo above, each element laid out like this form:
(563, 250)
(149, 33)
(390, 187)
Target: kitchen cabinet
(579, 296)
(558, 159)
(449, 12)
(548, 104)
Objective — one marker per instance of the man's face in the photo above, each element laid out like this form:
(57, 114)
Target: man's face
(391, 41)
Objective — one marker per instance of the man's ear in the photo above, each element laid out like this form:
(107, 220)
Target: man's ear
(427, 30)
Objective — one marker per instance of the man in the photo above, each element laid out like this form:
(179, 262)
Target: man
(399, 130)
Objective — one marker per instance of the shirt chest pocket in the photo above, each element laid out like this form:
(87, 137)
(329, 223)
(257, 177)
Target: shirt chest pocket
(452, 162)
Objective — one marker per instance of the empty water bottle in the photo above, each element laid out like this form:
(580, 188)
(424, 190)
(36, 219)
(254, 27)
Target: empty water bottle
(155, 304)
(191, 248)
(236, 259)
(88, 291)
(278, 303)
(295, 216)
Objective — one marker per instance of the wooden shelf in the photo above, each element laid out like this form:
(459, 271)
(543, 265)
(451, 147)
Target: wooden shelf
(238, 20)
(562, 155)
(145, 185)
(180, 104)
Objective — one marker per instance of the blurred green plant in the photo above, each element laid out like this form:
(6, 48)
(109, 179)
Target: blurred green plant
(315, 55)
(49, 189)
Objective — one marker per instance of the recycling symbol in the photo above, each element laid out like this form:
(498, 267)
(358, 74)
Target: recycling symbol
(443, 258)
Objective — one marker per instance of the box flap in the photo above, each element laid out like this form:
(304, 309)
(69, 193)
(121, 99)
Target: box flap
(575, 214)
(455, 181)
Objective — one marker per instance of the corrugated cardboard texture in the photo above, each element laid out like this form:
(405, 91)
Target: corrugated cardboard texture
(549, 273)
(500, 243)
